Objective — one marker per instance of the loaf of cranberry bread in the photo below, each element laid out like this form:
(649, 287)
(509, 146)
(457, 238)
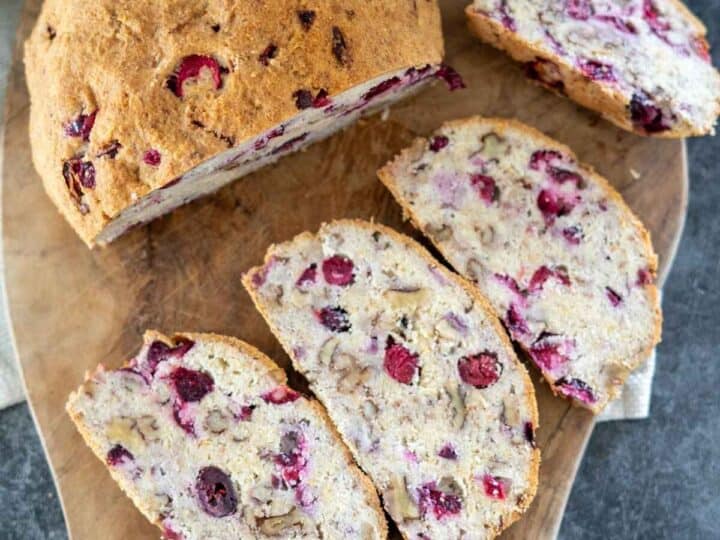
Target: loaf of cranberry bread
(415, 371)
(138, 107)
(553, 246)
(207, 440)
(643, 64)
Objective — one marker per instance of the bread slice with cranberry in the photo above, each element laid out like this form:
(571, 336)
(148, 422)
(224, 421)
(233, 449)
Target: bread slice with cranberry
(203, 434)
(414, 370)
(561, 257)
(139, 107)
(644, 65)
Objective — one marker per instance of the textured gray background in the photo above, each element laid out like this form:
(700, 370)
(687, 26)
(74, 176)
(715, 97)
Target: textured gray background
(657, 478)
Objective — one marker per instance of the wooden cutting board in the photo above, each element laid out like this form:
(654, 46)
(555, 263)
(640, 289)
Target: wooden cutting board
(72, 308)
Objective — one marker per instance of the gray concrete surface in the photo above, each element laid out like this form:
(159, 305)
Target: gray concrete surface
(654, 479)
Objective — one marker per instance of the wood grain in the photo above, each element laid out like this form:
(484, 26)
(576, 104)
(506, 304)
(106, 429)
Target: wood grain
(72, 308)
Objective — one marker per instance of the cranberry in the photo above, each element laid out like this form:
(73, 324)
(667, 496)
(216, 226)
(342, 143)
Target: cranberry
(577, 389)
(304, 99)
(451, 77)
(335, 319)
(339, 46)
(338, 270)
(191, 385)
(529, 432)
(152, 157)
(597, 71)
(262, 141)
(448, 452)
(184, 417)
(507, 21)
(280, 395)
(309, 275)
(290, 459)
(647, 116)
(540, 159)
(245, 413)
(563, 175)
(480, 370)
(579, 9)
(653, 18)
(110, 150)
(613, 296)
(384, 86)
(268, 54)
(307, 17)
(190, 68)
(438, 142)
(81, 126)
(644, 277)
(399, 362)
(515, 322)
(550, 352)
(159, 351)
(545, 72)
(496, 487)
(510, 283)
(82, 171)
(486, 188)
(573, 234)
(216, 492)
(171, 534)
(551, 205)
(542, 274)
(440, 503)
(118, 455)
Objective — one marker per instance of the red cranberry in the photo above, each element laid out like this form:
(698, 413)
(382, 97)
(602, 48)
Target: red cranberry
(291, 459)
(307, 17)
(190, 68)
(550, 352)
(577, 389)
(281, 395)
(304, 99)
(496, 487)
(438, 142)
(159, 351)
(551, 205)
(644, 277)
(613, 296)
(486, 188)
(515, 322)
(338, 270)
(480, 370)
(647, 116)
(118, 455)
(384, 86)
(339, 46)
(597, 71)
(440, 503)
(215, 492)
(579, 9)
(399, 362)
(542, 274)
(448, 452)
(540, 159)
(268, 54)
(335, 319)
(245, 413)
(81, 126)
(653, 18)
(191, 385)
(184, 417)
(309, 275)
(152, 157)
(451, 77)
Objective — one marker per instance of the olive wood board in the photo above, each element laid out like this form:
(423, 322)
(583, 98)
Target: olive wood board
(72, 308)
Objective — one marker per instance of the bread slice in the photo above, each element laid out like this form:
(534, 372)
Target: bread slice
(643, 64)
(139, 107)
(561, 257)
(204, 436)
(415, 371)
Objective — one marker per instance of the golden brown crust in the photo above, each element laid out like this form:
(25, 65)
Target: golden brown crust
(469, 288)
(278, 373)
(605, 99)
(116, 58)
(386, 176)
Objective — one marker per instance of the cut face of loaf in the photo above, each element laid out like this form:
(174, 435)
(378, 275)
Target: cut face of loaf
(643, 64)
(415, 372)
(202, 434)
(563, 260)
(139, 108)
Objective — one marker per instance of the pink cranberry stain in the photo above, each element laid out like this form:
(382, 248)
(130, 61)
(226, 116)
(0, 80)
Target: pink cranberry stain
(268, 54)
(515, 322)
(215, 492)
(619, 24)
(280, 395)
(191, 385)
(334, 319)
(80, 126)
(551, 352)
(160, 352)
(654, 19)
(581, 10)
(191, 67)
(542, 274)
(480, 370)
(308, 276)
(152, 157)
(441, 503)
(438, 142)
(577, 389)
(291, 459)
(184, 417)
(381, 88)
(245, 414)
(451, 77)
(505, 17)
(644, 277)
(118, 455)
(399, 362)
(485, 187)
(496, 487)
(540, 159)
(613, 296)
(448, 452)
(338, 270)
(510, 283)
(597, 71)
(573, 234)
(171, 534)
